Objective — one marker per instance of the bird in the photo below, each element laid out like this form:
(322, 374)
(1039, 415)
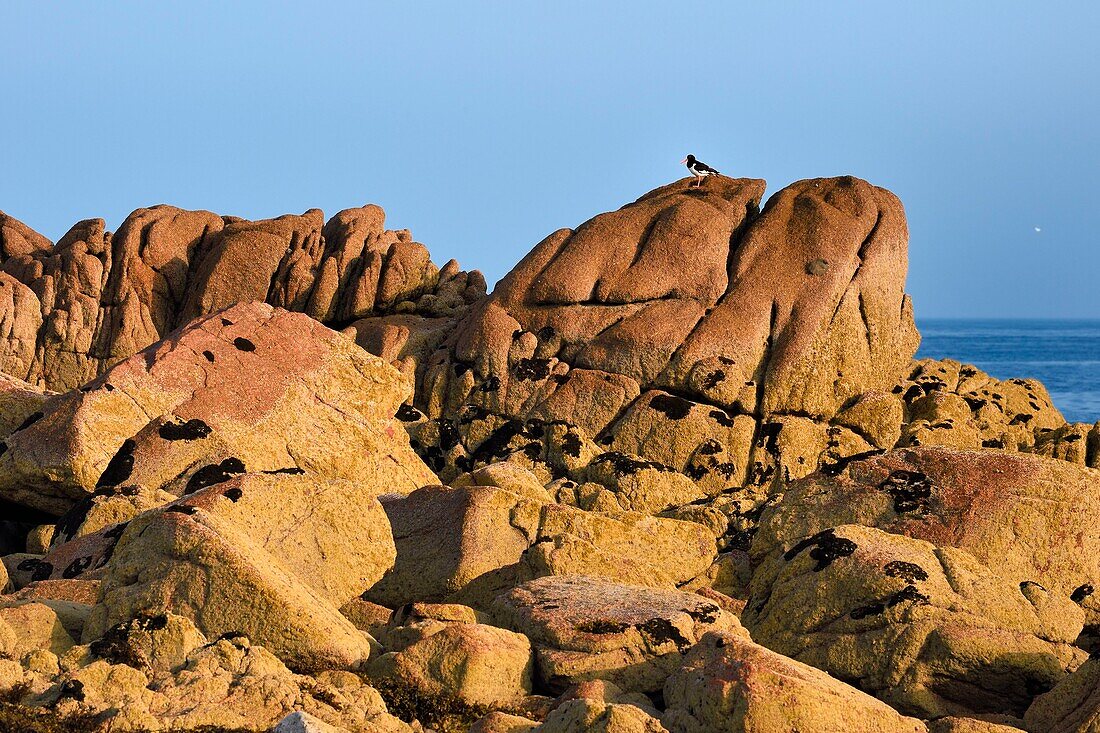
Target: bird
(699, 169)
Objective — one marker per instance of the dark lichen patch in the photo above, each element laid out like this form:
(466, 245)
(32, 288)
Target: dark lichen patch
(39, 569)
(671, 406)
(76, 567)
(571, 444)
(546, 333)
(1081, 592)
(910, 572)
(838, 466)
(713, 379)
(182, 509)
(449, 436)
(227, 322)
(709, 447)
(908, 594)
(118, 646)
(288, 471)
(208, 355)
(910, 490)
(497, 445)
(826, 547)
(662, 631)
(532, 369)
(243, 344)
(706, 613)
(1021, 419)
(817, 266)
(120, 466)
(193, 429)
(1031, 584)
(722, 418)
(408, 413)
(624, 465)
(215, 473)
(769, 437)
(234, 494)
(72, 689)
(3, 447)
(601, 626)
(30, 420)
(993, 443)
(492, 384)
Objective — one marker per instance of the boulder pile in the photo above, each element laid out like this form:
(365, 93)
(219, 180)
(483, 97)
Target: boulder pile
(678, 473)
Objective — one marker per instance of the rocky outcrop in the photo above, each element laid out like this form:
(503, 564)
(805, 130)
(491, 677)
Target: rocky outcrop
(586, 628)
(727, 683)
(961, 639)
(562, 507)
(691, 304)
(70, 311)
(1028, 519)
(252, 387)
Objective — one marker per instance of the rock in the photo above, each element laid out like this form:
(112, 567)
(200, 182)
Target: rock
(473, 663)
(40, 538)
(959, 406)
(448, 538)
(953, 724)
(70, 600)
(299, 722)
(586, 628)
(625, 547)
(70, 311)
(29, 626)
(728, 683)
(1072, 706)
(590, 716)
(642, 486)
(962, 639)
(227, 684)
(5, 582)
(202, 558)
(267, 382)
(152, 644)
(989, 503)
(687, 297)
(19, 401)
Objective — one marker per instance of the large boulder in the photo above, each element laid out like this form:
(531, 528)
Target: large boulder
(470, 543)
(276, 389)
(690, 302)
(272, 557)
(961, 638)
(586, 628)
(1029, 519)
(727, 683)
(473, 663)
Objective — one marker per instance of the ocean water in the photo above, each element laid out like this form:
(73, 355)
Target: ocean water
(1063, 354)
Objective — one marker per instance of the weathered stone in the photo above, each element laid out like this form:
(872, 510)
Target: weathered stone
(282, 390)
(961, 638)
(728, 683)
(196, 561)
(471, 662)
(1027, 518)
(587, 628)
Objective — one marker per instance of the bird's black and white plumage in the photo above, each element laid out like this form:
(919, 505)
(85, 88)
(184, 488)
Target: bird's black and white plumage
(698, 168)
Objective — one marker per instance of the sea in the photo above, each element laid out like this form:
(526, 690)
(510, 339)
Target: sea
(1062, 354)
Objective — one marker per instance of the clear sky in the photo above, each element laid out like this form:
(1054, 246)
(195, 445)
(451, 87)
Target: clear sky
(484, 126)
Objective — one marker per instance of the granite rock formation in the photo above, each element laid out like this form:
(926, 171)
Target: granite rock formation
(679, 472)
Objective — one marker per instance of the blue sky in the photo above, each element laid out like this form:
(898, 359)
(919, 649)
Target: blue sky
(484, 126)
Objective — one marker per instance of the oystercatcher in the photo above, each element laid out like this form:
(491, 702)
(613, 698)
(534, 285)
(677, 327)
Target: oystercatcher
(699, 169)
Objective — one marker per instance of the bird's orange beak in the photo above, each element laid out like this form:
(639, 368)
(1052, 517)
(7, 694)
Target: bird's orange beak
(684, 161)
